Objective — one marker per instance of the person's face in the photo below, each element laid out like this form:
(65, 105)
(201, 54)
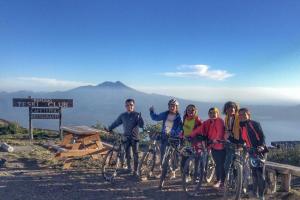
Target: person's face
(191, 111)
(172, 108)
(129, 106)
(213, 114)
(243, 116)
(231, 110)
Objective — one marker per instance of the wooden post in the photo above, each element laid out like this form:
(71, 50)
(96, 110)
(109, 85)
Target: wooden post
(60, 131)
(30, 124)
(286, 182)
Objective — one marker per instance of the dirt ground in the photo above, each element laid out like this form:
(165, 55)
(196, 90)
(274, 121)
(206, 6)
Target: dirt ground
(32, 173)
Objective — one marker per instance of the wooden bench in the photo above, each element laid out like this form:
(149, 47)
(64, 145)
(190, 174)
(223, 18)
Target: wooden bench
(286, 171)
(79, 141)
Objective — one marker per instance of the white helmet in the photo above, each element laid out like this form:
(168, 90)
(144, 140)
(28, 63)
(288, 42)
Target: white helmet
(173, 102)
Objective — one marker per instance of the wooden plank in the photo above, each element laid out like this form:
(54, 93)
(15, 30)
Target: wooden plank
(78, 153)
(80, 130)
(283, 168)
(68, 137)
(286, 182)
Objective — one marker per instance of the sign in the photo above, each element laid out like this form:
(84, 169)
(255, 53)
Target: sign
(45, 116)
(41, 108)
(36, 102)
(45, 110)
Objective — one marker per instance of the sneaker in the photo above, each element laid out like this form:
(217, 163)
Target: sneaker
(217, 184)
(173, 175)
(188, 179)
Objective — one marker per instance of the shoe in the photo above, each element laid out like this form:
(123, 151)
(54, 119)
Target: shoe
(197, 180)
(188, 179)
(217, 184)
(173, 175)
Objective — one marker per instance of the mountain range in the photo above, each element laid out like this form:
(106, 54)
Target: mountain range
(104, 102)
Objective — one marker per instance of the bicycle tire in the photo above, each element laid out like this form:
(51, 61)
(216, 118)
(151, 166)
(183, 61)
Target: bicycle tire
(234, 182)
(110, 165)
(147, 164)
(164, 170)
(210, 169)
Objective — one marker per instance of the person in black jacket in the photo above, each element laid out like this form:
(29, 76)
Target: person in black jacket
(252, 135)
(131, 121)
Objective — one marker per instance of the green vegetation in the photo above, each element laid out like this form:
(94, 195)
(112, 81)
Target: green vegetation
(289, 156)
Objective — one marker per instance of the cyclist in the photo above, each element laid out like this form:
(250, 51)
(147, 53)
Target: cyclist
(231, 131)
(172, 124)
(252, 134)
(131, 121)
(191, 121)
(213, 129)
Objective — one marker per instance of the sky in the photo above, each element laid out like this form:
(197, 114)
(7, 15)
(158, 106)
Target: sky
(210, 50)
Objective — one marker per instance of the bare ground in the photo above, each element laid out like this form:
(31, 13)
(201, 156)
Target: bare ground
(32, 173)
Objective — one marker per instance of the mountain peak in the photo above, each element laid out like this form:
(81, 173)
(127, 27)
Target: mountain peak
(109, 84)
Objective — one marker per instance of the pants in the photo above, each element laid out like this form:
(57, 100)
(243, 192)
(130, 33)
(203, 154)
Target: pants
(259, 182)
(134, 144)
(163, 145)
(219, 158)
(196, 163)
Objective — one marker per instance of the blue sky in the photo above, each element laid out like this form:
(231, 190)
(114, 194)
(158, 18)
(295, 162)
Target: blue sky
(171, 47)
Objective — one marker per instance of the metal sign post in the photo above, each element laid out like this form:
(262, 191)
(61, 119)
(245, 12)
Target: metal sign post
(40, 108)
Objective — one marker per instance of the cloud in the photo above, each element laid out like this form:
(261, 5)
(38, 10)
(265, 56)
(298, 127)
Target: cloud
(53, 82)
(251, 95)
(38, 84)
(202, 71)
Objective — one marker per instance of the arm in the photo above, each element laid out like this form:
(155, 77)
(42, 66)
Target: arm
(116, 123)
(157, 117)
(140, 121)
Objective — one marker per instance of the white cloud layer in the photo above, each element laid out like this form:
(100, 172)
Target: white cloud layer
(202, 71)
(253, 95)
(38, 84)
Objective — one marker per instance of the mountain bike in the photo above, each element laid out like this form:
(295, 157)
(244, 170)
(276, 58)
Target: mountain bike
(193, 171)
(114, 159)
(150, 159)
(170, 159)
(234, 178)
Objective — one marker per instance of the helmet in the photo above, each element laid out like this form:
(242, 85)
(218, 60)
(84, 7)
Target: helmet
(173, 102)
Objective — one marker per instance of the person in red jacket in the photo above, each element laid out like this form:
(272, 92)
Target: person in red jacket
(214, 130)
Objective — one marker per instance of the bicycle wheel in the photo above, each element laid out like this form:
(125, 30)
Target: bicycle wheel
(146, 165)
(110, 165)
(210, 169)
(234, 182)
(189, 183)
(164, 170)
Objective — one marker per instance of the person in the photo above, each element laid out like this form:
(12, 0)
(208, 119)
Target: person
(252, 135)
(232, 125)
(214, 130)
(191, 121)
(131, 121)
(171, 126)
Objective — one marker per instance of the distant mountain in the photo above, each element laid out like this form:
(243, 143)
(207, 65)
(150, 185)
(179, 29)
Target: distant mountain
(104, 102)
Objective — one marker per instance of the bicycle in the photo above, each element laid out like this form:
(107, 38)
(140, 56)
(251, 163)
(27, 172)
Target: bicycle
(253, 158)
(114, 159)
(194, 168)
(150, 158)
(170, 159)
(234, 177)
